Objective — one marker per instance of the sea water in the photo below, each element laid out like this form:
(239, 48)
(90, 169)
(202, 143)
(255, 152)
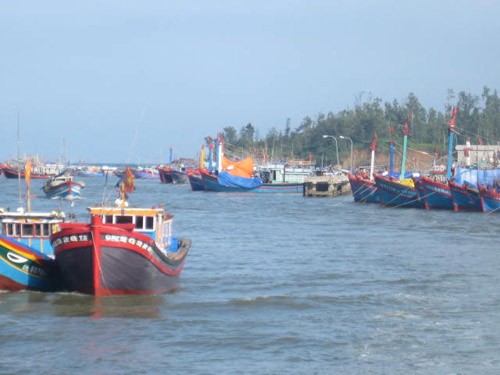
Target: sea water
(276, 284)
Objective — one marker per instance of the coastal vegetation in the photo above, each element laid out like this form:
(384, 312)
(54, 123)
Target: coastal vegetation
(478, 120)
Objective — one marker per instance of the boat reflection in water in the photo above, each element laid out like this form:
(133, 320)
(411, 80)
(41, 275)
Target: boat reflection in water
(126, 306)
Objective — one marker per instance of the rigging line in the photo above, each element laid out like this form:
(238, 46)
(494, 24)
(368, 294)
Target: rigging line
(134, 141)
(493, 211)
(403, 204)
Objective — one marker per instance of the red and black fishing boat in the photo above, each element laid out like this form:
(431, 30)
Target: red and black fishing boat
(123, 250)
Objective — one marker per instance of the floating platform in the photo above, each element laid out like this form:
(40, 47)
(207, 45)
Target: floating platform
(327, 186)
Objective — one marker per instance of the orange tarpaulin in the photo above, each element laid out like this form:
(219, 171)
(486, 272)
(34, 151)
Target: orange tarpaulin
(241, 168)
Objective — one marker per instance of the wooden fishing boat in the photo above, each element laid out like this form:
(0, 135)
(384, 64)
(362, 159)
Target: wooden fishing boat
(363, 186)
(433, 192)
(179, 176)
(38, 171)
(363, 189)
(195, 179)
(398, 192)
(63, 186)
(227, 183)
(490, 197)
(465, 196)
(122, 250)
(394, 192)
(26, 256)
(165, 173)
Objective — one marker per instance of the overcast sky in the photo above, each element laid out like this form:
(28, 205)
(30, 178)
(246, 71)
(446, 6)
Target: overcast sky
(121, 81)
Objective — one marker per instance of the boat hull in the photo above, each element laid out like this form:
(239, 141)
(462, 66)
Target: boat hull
(395, 194)
(465, 198)
(165, 175)
(211, 183)
(106, 259)
(196, 182)
(22, 268)
(490, 199)
(363, 190)
(434, 194)
(69, 190)
(179, 177)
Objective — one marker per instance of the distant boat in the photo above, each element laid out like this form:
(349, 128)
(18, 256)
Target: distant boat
(122, 250)
(145, 173)
(179, 176)
(38, 170)
(63, 186)
(196, 180)
(165, 173)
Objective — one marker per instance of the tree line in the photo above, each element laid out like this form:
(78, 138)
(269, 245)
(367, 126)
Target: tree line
(478, 119)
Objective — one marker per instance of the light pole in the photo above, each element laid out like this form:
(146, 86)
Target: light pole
(336, 146)
(342, 137)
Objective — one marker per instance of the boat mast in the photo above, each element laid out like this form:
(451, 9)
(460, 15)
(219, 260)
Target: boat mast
(406, 131)
(18, 165)
(372, 163)
(451, 128)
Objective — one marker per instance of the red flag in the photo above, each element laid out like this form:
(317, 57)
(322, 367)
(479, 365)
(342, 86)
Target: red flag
(128, 185)
(436, 152)
(451, 122)
(406, 129)
(374, 142)
(27, 173)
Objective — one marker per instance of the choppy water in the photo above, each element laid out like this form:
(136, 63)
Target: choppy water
(278, 284)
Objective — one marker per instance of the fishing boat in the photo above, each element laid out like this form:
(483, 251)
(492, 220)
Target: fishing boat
(490, 197)
(122, 250)
(398, 192)
(435, 193)
(165, 173)
(63, 186)
(26, 256)
(16, 169)
(363, 187)
(464, 186)
(196, 180)
(465, 196)
(179, 176)
(146, 173)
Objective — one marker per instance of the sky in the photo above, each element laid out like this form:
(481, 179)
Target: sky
(121, 81)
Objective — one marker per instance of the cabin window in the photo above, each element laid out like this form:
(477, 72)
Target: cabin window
(45, 229)
(17, 230)
(38, 230)
(108, 218)
(150, 222)
(27, 230)
(139, 222)
(124, 219)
